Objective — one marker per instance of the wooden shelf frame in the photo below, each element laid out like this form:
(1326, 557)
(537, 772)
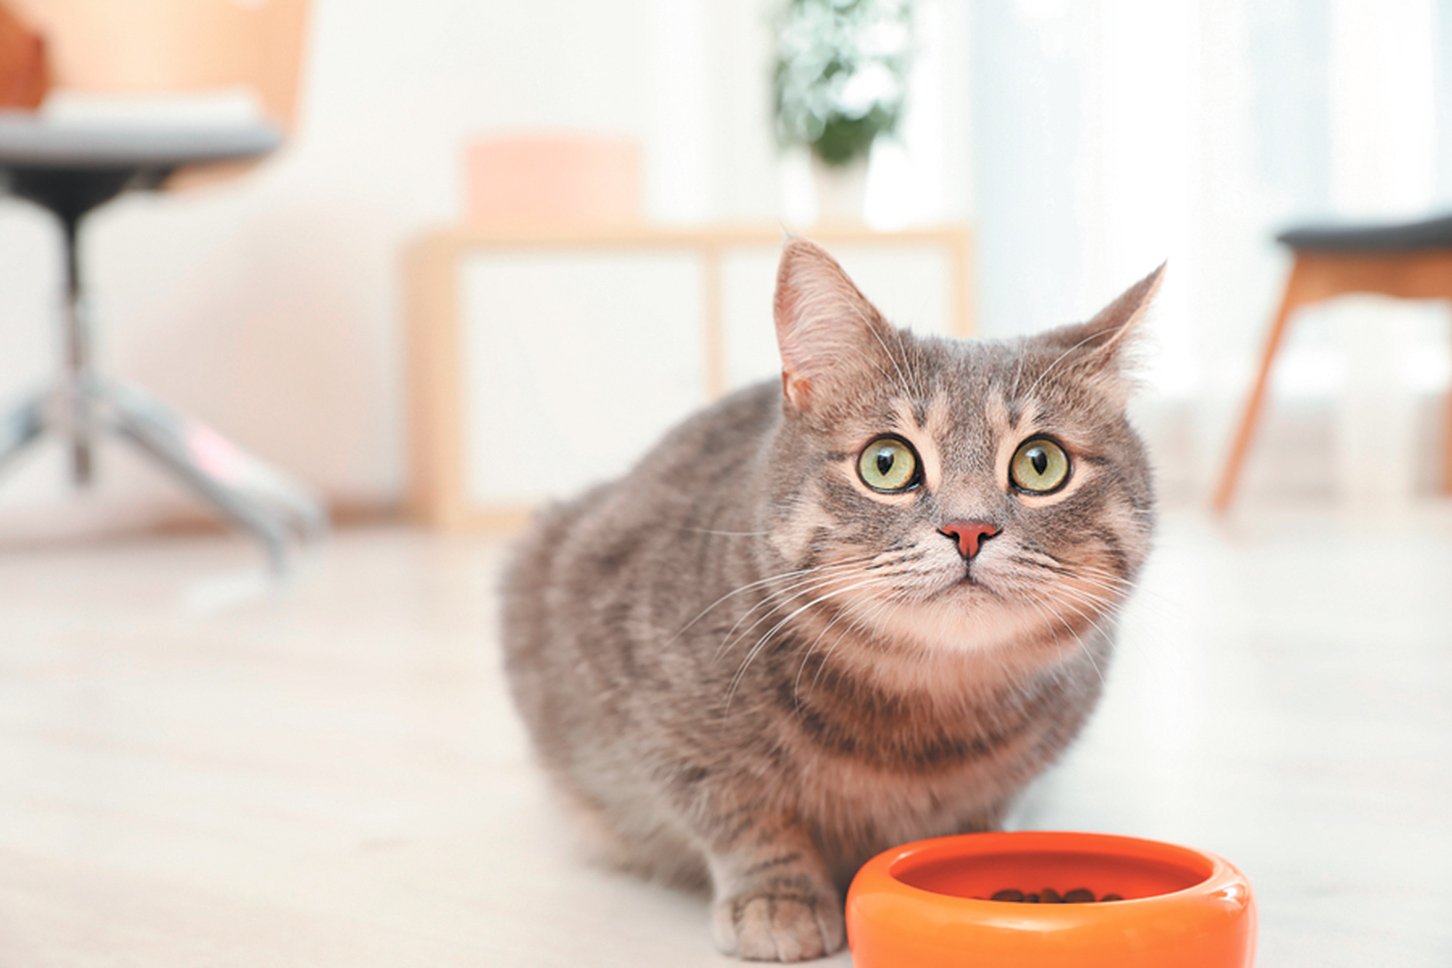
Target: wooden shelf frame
(437, 487)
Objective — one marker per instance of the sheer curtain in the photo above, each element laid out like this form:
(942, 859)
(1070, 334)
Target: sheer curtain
(1107, 136)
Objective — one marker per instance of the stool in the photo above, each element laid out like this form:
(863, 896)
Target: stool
(70, 170)
(1405, 261)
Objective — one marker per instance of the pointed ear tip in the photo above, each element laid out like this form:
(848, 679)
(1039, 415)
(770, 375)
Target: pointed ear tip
(1148, 287)
(798, 253)
(800, 245)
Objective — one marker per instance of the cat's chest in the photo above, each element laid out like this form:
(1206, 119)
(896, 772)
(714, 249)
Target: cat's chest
(858, 807)
(896, 762)
(853, 719)
(868, 784)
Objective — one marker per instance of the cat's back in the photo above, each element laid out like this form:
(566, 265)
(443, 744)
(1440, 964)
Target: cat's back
(581, 555)
(697, 460)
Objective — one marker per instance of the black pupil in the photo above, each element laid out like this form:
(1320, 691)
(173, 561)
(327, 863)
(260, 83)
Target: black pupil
(1040, 459)
(884, 461)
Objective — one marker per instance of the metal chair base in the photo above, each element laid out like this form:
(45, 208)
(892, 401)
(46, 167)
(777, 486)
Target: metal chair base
(274, 509)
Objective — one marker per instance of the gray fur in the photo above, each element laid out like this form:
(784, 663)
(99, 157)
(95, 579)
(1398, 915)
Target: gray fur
(718, 714)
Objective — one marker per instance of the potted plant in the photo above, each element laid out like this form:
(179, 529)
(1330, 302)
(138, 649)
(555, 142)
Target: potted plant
(839, 83)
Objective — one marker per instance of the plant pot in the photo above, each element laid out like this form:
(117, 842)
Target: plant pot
(925, 904)
(841, 189)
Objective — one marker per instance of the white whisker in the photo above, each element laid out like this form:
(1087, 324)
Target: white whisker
(766, 636)
(747, 587)
(798, 589)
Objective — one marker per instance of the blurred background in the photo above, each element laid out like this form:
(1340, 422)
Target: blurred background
(379, 244)
(1078, 144)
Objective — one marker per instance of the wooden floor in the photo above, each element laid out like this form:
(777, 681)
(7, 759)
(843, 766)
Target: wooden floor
(193, 773)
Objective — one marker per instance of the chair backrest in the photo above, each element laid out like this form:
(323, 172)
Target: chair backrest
(24, 70)
(174, 46)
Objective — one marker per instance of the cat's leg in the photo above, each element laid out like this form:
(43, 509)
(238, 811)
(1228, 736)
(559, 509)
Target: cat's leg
(774, 899)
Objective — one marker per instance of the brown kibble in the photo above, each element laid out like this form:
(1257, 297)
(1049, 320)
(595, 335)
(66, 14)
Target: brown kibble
(1077, 895)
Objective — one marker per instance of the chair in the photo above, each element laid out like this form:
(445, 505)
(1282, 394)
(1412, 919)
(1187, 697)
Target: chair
(72, 167)
(1405, 261)
(24, 68)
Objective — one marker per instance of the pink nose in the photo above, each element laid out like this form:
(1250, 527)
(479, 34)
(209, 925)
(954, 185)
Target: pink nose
(970, 535)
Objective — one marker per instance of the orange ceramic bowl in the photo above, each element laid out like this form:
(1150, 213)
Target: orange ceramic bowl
(922, 905)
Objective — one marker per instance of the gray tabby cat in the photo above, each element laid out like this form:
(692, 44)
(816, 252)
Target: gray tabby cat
(823, 617)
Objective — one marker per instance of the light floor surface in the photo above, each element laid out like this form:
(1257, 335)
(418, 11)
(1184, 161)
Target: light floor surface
(194, 773)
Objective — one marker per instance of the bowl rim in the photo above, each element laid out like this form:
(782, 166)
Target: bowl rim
(1222, 873)
(1210, 922)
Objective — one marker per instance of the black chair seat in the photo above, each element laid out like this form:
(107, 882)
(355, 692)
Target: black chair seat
(28, 140)
(1434, 233)
(71, 167)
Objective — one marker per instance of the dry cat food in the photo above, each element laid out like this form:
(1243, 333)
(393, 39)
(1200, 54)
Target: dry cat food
(1079, 895)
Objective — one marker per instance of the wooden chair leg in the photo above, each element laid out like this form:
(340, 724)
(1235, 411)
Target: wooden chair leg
(1230, 475)
(1447, 444)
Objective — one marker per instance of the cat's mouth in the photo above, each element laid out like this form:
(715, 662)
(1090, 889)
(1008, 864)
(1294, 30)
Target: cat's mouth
(970, 581)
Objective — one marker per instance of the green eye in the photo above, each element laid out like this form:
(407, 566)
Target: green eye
(889, 465)
(1039, 466)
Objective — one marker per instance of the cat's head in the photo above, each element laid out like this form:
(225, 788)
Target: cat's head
(956, 494)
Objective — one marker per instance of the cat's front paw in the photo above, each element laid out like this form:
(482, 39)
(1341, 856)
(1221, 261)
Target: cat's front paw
(779, 925)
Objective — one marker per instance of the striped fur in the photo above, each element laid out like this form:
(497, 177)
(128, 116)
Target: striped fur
(746, 670)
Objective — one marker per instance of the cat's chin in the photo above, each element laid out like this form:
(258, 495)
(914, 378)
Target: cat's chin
(968, 617)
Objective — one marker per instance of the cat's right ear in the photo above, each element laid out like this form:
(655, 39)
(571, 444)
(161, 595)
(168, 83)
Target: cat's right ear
(824, 325)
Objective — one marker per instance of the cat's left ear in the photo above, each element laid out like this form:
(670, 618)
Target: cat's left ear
(1099, 345)
(829, 333)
